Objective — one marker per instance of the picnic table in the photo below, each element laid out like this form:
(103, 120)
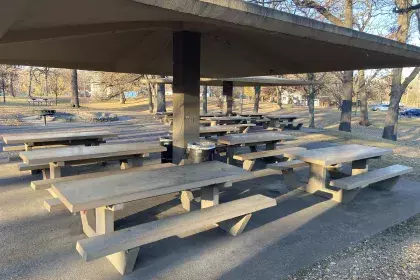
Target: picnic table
(251, 115)
(323, 162)
(283, 121)
(58, 138)
(233, 141)
(226, 120)
(220, 130)
(98, 198)
(57, 158)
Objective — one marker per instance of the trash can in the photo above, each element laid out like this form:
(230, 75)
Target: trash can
(201, 151)
(166, 141)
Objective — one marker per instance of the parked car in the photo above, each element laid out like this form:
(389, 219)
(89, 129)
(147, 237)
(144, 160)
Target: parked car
(411, 112)
(380, 107)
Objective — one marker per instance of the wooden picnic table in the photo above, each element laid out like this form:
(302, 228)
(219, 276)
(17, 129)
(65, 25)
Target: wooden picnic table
(282, 120)
(226, 120)
(98, 198)
(322, 162)
(59, 138)
(269, 139)
(220, 130)
(57, 158)
(251, 115)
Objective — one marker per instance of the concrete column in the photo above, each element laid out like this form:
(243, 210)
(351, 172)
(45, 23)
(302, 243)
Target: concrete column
(227, 97)
(186, 91)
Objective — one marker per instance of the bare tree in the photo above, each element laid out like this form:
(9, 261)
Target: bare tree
(161, 98)
(398, 86)
(205, 89)
(257, 90)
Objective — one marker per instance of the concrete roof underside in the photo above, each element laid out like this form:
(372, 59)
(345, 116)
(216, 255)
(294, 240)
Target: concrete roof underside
(240, 82)
(238, 39)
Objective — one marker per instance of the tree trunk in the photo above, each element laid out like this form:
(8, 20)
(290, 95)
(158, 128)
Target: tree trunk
(345, 121)
(122, 98)
(279, 102)
(46, 81)
(12, 88)
(151, 107)
(205, 99)
(311, 101)
(30, 83)
(257, 98)
(161, 98)
(364, 114)
(398, 87)
(74, 89)
(3, 88)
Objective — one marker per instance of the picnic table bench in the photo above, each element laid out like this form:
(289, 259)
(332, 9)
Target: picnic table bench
(47, 139)
(325, 180)
(98, 198)
(284, 121)
(233, 141)
(226, 120)
(40, 101)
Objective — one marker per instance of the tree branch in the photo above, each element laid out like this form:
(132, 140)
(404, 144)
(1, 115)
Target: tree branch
(406, 10)
(310, 4)
(410, 78)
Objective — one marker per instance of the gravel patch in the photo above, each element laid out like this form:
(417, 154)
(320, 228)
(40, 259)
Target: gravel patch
(392, 254)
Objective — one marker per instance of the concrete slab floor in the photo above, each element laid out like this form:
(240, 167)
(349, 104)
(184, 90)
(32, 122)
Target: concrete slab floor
(301, 230)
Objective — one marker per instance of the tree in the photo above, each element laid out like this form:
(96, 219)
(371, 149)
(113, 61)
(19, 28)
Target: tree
(257, 90)
(398, 86)
(122, 98)
(31, 74)
(205, 89)
(161, 98)
(74, 89)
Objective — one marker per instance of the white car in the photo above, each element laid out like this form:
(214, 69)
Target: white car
(380, 107)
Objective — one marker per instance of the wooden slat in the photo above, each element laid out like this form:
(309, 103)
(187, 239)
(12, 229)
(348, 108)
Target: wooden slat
(96, 192)
(103, 245)
(95, 152)
(287, 165)
(237, 139)
(54, 205)
(56, 136)
(14, 148)
(365, 179)
(338, 154)
(29, 167)
(264, 154)
(45, 184)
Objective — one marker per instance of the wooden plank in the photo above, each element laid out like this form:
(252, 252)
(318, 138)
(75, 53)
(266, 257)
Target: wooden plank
(338, 154)
(264, 154)
(364, 179)
(56, 136)
(46, 184)
(94, 152)
(287, 165)
(54, 205)
(280, 117)
(103, 245)
(27, 167)
(237, 139)
(233, 118)
(96, 192)
(14, 148)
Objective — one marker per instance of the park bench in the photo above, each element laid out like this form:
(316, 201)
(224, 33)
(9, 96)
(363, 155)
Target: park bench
(383, 178)
(249, 159)
(231, 216)
(31, 167)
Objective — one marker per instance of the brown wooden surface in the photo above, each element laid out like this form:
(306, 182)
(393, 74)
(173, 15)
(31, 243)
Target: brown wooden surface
(56, 136)
(263, 137)
(338, 154)
(89, 153)
(96, 192)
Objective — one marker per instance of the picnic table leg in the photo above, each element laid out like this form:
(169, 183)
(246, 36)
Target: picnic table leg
(55, 170)
(28, 147)
(137, 161)
(253, 148)
(124, 164)
(209, 196)
(359, 167)
(318, 184)
(272, 123)
(123, 261)
(270, 146)
(230, 152)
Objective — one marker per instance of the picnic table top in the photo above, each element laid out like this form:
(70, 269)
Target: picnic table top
(250, 114)
(119, 188)
(338, 154)
(56, 136)
(248, 138)
(226, 118)
(282, 116)
(74, 153)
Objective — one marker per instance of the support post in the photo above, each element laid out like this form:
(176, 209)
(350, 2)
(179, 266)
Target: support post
(227, 97)
(186, 91)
